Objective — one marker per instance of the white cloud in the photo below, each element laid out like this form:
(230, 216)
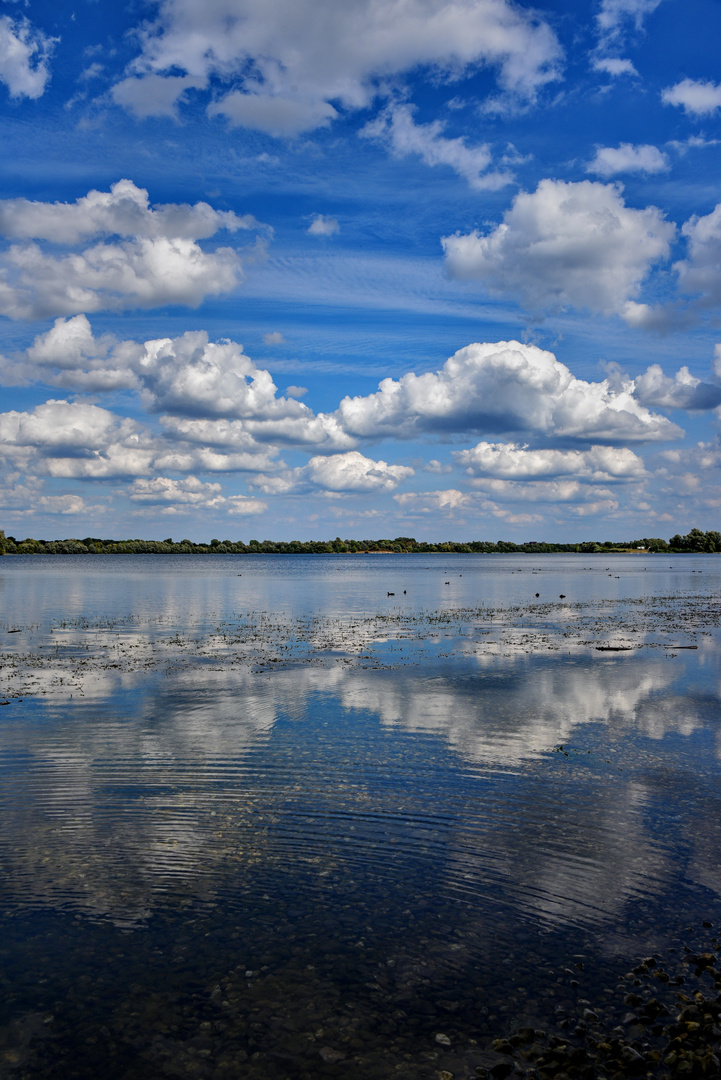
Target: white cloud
(62, 424)
(154, 95)
(628, 158)
(509, 501)
(321, 432)
(273, 337)
(350, 472)
(615, 14)
(547, 491)
(565, 245)
(244, 506)
(213, 391)
(354, 472)
(75, 439)
(66, 504)
(700, 272)
(698, 97)
(296, 391)
(437, 467)
(396, 128)
(191, 376)
(661, 318)
(503, 387)
(24, 54)
(289, 62)
(158, 262)
(94, 71)
(323, 226)
(693, 142)
(79, 439)
(142, 273)
(683, 391)
(178, 496)
(124, 211)
(614, 66)
(68, 344)
(428, 502)
(189, 491)
(276, 114)
(511, 461)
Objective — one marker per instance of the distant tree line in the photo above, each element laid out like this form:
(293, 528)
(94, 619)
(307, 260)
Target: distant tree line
(695, 541)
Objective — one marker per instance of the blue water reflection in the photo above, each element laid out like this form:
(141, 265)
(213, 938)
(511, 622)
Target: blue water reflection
(399, 815)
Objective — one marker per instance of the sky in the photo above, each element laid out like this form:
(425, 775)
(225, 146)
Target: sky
(285, 269)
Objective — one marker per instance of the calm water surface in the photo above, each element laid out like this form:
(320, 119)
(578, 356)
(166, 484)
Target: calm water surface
(344, 816)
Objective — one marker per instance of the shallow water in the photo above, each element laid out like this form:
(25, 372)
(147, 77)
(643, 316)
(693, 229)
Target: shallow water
(260, 818)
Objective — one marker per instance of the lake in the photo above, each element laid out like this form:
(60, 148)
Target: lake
(359, 816)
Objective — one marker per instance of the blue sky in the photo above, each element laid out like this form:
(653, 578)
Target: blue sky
(301, 268)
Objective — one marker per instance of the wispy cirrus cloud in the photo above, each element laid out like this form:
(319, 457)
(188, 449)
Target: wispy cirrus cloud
(396, 128)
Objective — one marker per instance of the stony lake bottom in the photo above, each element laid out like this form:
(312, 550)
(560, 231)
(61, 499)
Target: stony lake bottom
(359, 816)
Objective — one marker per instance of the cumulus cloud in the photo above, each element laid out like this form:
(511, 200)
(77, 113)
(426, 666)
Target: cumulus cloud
(611, 160)
(142, 273)
(699, 279)
(323, 226)
(614, 66)
(273, 337)
(513, 461)
(66, 504)
(350, 472)
(698, 97)
(243, 506)
(168, 496)
(123, 211)
(157, 259)
(63, 425)
(24, 55)
(213, 391)
(396, 128)
(192, 376)
(700, 272)
(82, 440)
(565, 245)
(503, 387)
(75, 439)
(354, 472)
(189, 491)
(291, 62)
(683, 391)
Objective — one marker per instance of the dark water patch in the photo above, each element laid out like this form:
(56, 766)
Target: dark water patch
(292, 841)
